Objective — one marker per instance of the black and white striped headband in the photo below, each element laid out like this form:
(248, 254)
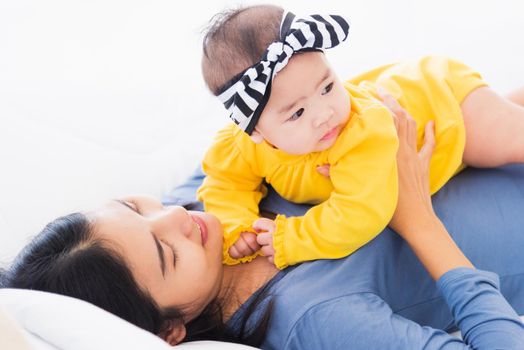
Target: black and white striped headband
(246, 95)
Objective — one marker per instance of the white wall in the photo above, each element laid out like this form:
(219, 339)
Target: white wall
(103, 98)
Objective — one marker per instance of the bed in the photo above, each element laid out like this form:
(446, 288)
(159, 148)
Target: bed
(39, 319)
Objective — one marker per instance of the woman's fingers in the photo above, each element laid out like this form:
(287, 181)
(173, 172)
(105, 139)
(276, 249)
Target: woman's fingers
(407, 134)
(404, 123)
(391, 103)
(412, 133)
(400, 116)
(429, 143)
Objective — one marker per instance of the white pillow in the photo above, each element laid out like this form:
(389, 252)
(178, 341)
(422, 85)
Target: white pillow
(50, 321)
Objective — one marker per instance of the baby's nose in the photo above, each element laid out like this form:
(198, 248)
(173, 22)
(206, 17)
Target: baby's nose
(324, 117)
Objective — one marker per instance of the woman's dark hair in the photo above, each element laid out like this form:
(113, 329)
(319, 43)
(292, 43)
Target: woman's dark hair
(235, 40)
(66, 259)
(3, 279)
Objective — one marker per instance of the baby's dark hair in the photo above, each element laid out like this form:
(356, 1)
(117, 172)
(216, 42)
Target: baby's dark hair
(235, 40)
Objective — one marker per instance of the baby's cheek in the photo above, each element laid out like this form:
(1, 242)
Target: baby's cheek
(344, 104)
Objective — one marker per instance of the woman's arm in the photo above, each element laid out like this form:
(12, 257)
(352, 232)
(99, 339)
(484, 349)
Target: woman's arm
(365, 321)
(483, 315)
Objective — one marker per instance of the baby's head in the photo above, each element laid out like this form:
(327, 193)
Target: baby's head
(303, 107)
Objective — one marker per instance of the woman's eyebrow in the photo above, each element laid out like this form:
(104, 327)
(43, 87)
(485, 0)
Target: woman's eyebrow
(159, 248)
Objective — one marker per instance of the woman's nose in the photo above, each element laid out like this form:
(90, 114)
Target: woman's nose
(172, 220)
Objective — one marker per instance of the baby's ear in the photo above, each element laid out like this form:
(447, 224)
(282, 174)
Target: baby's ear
(256, 136)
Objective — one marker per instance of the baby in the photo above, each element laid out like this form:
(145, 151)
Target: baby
(295, 121)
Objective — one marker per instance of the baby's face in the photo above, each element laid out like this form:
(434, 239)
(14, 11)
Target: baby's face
(308, 106)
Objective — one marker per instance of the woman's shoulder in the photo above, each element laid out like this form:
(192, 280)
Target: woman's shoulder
(317, 283)
(297, 326)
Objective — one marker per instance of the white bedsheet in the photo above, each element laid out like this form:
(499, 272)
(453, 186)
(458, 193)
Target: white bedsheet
(45, 321)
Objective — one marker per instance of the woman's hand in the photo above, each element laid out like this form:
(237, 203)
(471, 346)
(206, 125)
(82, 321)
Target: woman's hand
(414, 218)
(414, 198)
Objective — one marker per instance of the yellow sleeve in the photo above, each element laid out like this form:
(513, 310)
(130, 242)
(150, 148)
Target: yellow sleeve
(361, 204)
(231, 190)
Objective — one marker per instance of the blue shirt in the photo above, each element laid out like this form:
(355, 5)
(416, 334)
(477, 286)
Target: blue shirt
(382, 297)
(320, 306)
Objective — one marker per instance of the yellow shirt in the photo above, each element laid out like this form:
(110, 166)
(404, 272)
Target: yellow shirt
(357, 201)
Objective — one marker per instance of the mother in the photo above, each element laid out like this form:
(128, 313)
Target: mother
(160, 268)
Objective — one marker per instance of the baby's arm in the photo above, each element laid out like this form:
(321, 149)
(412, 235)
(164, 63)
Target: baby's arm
(232, 191)
(364, 177)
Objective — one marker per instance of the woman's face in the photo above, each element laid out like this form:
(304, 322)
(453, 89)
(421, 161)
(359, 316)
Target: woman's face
(174, 254)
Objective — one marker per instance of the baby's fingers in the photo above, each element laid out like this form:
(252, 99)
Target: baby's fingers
(267, 250)
(234, 253)
(244, 246)
(324, 170)
(265, 239)
(264, 225)
(250, 239)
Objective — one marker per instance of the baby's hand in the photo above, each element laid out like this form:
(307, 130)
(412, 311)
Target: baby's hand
(245, 245)
(324, 169)
(266, 227)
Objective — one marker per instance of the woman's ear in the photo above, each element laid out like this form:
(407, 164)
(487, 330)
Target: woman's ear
(256, 136)
(175, 333)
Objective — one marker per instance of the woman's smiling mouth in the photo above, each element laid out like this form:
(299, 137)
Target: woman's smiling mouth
(201, 227)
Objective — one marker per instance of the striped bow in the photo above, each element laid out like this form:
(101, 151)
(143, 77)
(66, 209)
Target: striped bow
(247, 94)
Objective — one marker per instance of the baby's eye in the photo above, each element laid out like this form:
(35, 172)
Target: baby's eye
(296, 115)
(327, 89)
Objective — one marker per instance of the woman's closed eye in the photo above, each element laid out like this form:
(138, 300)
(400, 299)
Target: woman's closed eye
(327, 88)
(296, 115)
(130, 205)
(173, 251)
